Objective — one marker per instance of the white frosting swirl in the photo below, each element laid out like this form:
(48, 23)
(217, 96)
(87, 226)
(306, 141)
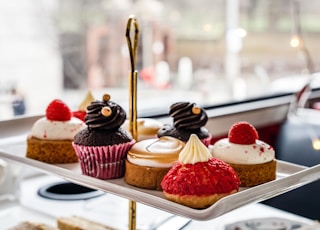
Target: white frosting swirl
(160, 152)
(194, 151)
(56, 130)
(257, 153)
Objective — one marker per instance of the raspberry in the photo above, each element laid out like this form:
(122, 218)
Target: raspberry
(79, 114)
(58, 111)
(202, 178)
(243, 133)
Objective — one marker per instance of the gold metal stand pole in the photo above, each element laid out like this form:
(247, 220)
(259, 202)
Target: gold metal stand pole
(132, 215)
(132, 100)
(133, 105)
(133, 130)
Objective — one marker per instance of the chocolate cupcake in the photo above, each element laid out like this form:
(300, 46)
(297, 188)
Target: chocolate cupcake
(188, 118)
(102, 147)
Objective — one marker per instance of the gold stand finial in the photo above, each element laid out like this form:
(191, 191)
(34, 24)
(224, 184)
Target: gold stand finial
(133, 75)
(133, 99)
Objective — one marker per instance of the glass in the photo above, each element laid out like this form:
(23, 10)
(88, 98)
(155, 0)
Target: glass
(208, 52)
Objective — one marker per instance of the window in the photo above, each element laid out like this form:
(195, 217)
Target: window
(209, 52)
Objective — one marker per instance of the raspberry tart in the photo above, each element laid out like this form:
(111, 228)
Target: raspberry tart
(198, 180)
(50, 139)
(252, 159)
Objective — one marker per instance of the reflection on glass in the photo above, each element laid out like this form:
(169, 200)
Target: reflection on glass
(60, 49)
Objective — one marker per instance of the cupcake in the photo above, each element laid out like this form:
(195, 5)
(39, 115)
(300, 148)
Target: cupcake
(252, 159)
(198, 180)
(103, 145)
(147, 128)
(188, 118)
(50, 138)
(149, 160)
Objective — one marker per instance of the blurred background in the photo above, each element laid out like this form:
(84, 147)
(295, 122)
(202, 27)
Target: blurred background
(208, 52)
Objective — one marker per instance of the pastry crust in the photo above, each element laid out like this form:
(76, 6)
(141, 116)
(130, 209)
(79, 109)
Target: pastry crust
(79, 223)
(144, 177)
(28, 225)
(51, 151)
(195, 201)
(252, 175)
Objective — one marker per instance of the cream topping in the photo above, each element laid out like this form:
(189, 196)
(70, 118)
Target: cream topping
(194, 151)
(56, 130)
(86, 101)
(160, 152)
(257, 153)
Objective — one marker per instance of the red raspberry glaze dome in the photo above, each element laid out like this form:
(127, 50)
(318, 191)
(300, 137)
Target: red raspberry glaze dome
(202, 178)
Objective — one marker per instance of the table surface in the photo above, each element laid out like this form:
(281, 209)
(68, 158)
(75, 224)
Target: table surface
(113, 211)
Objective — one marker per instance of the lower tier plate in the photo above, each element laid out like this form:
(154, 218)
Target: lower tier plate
(289, 177)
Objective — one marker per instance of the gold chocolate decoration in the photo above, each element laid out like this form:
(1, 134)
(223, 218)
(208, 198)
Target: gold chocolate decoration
(196, 109)
(106, 111)
(106, 97)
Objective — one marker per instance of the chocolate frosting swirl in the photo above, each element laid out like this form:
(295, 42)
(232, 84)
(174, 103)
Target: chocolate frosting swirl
(97, 118)
(185, 116)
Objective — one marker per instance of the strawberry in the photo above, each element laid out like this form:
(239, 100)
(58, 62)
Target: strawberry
(57, 110)
(243, 133)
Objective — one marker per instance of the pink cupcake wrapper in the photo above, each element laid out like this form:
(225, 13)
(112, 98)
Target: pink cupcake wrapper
(103, 171)
(103, 162)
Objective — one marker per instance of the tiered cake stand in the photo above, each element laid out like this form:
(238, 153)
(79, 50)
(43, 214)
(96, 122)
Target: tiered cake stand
(13, 135)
